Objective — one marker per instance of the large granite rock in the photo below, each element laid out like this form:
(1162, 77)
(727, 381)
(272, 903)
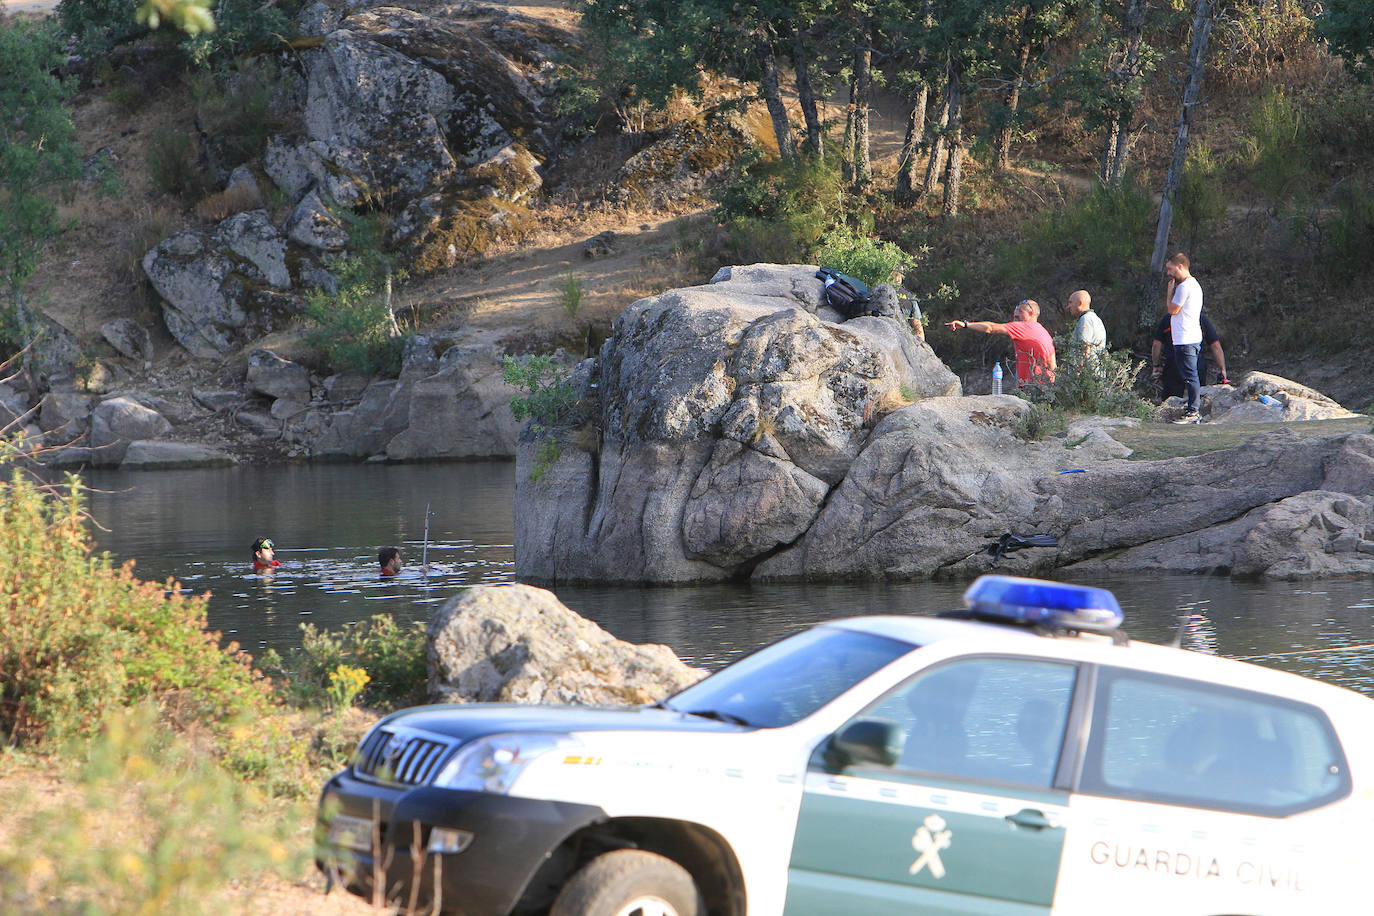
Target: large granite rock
(519, 644)
(156, 455)
(222, 287)
(119, 421)
(454, 405)
(1264, 398)
(722, 416)
(726, 431)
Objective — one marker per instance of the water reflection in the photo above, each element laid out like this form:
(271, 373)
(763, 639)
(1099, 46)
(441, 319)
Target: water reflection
(328, 521)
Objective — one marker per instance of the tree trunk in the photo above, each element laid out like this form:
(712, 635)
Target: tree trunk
(905, 192)
(847, 145)
(950, 207)
(1012, 100)
(1104, 166)
(863, 78)
(801, 59)
(1197, 61)
(1118, 146)
(936, 163)
(772, 96)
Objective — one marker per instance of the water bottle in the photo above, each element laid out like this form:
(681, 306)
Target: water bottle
(997, 378)
(1267, 401)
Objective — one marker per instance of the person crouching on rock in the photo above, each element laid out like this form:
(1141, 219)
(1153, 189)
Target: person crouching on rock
(1034, 347)
(389, 559)
(264, 555)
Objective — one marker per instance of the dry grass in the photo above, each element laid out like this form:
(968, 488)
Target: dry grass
(223, 204)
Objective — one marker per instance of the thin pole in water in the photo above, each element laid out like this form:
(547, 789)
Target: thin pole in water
(424, 555)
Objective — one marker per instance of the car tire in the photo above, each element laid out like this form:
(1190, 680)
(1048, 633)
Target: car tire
(630, 882)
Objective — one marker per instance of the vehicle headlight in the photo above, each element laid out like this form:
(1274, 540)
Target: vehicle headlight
(493, 764)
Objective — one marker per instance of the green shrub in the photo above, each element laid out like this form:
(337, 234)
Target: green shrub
(391, 656)
(172, 163)
(570, 294)
(1041, 421)
(1348, 234)
(153, 826)
(871, 261)
(355, 326)
(234, 106)
(1201, 198)
(1276, 147)
(780, 211)
(1100, 383)
(549, 397)
(99, 25)
(84, 640)
(242, 26)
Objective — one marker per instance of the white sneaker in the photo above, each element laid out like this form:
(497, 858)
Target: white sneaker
(1190, 417)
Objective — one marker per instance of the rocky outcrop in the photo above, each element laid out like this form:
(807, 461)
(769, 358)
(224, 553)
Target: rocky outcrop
(1264, 398)
(727, 431)
(153, 455)
(224, 286)
(116, 423)
(722, 416)
(519, 644)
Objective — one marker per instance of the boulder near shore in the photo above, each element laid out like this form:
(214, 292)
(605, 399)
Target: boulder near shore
(739, 430)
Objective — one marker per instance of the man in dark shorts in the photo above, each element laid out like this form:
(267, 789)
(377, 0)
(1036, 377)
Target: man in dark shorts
(1166, 372)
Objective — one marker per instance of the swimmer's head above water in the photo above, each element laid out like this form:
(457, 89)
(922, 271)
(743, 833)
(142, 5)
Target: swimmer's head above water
(389, 559)
(264, 554)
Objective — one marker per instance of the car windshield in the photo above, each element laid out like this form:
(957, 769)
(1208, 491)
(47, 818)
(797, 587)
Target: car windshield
(789, 679)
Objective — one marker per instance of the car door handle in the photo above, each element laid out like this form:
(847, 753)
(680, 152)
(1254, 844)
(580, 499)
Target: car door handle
(1030, 819)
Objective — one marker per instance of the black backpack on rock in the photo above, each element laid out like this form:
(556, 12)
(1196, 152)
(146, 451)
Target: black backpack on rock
(847, 295)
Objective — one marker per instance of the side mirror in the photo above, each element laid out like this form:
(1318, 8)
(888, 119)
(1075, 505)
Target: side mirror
(865, 741)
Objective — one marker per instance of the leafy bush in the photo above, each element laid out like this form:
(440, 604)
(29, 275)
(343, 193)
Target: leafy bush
(355, 326)
(234, 106)
(1097, 383)
(153, 827)
(780, 211)
(1348, 235)
(1276, 146)
(872, 261)
(243, 26)
(172, 163)
(549, 397)
(570, 294)
(84, 640)
(99, 25)
(1201, 198)
(389, 657)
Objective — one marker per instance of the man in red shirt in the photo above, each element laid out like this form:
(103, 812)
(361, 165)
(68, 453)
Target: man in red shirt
(264, 555)
(389, 559)
(1033, 345)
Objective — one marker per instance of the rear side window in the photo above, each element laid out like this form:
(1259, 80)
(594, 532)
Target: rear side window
(1183, 742)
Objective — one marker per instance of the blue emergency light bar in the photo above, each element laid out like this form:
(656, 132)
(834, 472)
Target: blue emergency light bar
(1052, 604)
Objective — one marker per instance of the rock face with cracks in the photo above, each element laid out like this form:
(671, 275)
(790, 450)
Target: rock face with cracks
(729, 431)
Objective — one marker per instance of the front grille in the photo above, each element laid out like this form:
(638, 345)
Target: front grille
(401, 756)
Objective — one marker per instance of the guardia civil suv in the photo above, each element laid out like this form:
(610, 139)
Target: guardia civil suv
(1022, 756)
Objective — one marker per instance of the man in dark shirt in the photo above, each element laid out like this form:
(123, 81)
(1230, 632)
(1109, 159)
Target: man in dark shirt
(1162, 357)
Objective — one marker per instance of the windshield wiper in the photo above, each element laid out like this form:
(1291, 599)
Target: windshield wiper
(719, 716)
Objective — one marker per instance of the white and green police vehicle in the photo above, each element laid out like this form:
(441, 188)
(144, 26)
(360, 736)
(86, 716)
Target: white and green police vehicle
(1027, 758)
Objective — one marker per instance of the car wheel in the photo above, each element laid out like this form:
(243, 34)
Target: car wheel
(629, 882)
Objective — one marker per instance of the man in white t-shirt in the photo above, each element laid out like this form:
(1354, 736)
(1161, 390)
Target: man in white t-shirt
(1185, 309)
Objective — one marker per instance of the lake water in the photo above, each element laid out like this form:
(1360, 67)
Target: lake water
(195, 526)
